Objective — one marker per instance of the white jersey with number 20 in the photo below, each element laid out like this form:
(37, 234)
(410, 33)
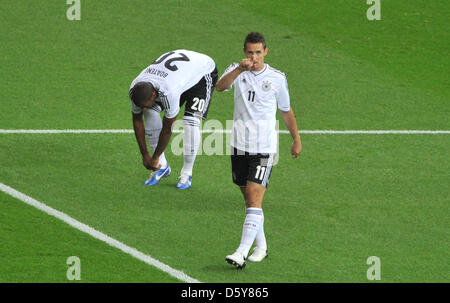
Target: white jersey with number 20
(172, 74)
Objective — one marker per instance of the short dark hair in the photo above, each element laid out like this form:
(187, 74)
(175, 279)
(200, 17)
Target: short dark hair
(141, 92)
(255, 37)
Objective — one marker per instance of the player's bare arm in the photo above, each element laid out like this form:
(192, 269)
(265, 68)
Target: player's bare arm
(139, 132)
(291, 123)
(164, 138)
(226, 81)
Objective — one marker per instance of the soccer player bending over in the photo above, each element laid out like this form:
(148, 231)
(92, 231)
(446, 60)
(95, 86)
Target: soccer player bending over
(175, 78)
(258, 90)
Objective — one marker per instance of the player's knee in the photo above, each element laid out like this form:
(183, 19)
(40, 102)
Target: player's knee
(153, 136)
(254, 194)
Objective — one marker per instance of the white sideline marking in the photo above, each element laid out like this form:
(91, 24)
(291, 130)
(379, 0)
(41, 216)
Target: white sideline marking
(373, 132)
(320, 132)
(96, 234)
(65, 131)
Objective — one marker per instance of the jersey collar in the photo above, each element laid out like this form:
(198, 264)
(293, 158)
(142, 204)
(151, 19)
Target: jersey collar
(260, 72)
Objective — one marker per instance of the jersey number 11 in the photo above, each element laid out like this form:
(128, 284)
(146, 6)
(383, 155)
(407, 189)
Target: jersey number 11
(251, 95)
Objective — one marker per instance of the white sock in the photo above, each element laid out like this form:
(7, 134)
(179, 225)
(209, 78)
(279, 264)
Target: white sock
(153, 126)
(191, 143)
(250, 229)
(260, 239)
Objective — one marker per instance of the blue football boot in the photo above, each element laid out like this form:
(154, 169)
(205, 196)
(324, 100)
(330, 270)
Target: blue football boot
(184, 182)
(157, 175)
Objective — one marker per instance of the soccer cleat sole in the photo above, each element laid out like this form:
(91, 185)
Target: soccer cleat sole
(229, 261)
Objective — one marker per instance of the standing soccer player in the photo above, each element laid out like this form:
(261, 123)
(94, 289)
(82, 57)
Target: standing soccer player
(175, 78)
(258, 90)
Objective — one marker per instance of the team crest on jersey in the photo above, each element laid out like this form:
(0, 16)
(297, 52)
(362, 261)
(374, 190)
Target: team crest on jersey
(266, 86)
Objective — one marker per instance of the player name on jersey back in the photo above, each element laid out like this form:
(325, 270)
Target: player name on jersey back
(157, 72)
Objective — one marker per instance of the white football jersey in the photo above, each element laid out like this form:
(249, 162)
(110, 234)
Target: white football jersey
(257, 95)
(172, 74)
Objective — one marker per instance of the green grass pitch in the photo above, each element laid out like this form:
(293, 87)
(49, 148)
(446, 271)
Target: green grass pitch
(346, 198)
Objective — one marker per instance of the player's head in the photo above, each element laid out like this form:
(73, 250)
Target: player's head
(255, 49)
(255, 37)
(143, 94)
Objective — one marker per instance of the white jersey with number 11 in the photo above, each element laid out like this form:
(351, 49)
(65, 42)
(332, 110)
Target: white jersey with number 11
(257, 96)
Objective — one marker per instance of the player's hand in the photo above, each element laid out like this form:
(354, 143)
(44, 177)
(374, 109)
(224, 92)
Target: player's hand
(149, 162)
(155, 163)
(296, 149)
(246, 64)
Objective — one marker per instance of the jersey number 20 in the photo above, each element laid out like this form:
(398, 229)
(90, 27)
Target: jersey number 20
(199, 104)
